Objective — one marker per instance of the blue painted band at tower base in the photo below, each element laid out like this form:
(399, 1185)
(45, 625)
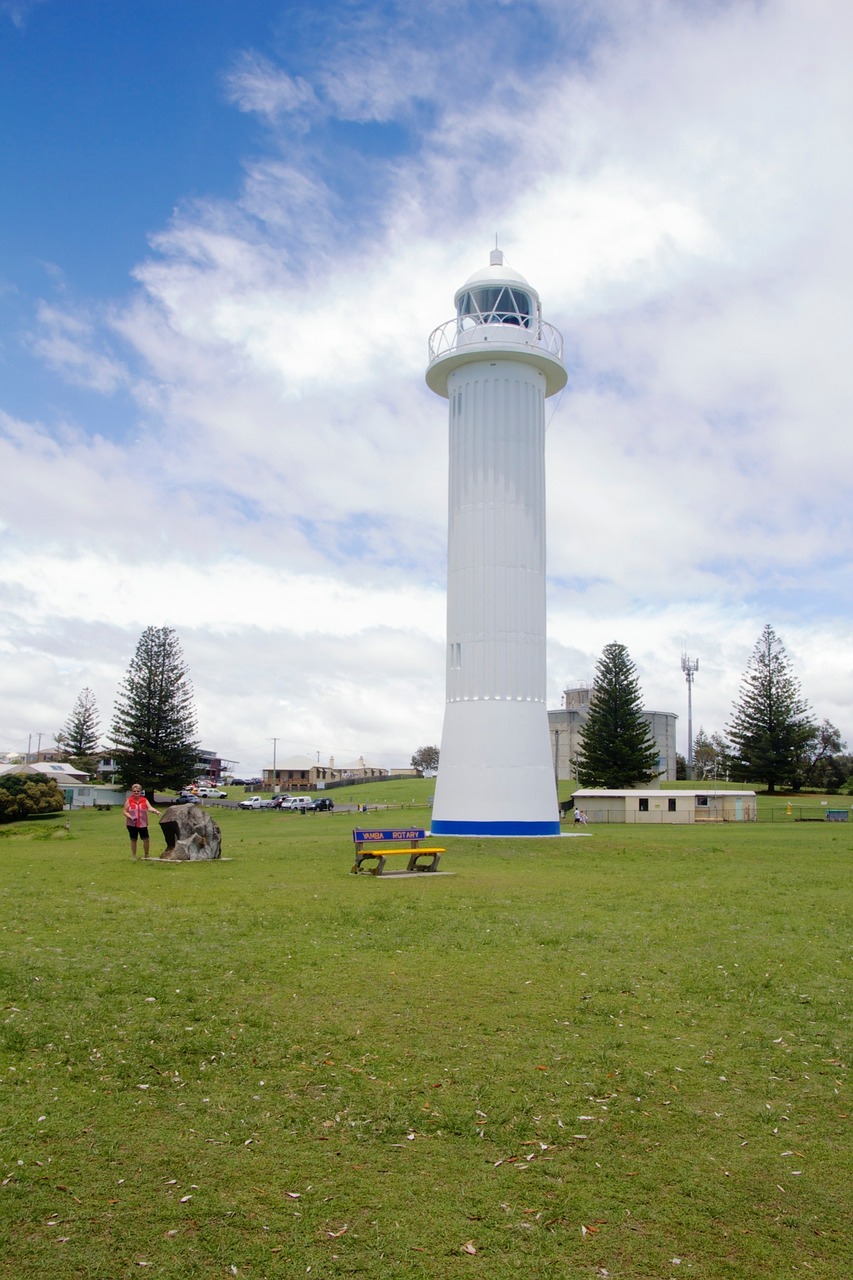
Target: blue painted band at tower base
(448, 827)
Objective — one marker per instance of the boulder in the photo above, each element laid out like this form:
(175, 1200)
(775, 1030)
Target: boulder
(190, 833)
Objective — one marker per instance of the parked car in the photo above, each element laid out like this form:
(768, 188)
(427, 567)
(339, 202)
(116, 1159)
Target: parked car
(298, 803)
(279, 801)
(211, 793)
(323, 802)
(252, 802)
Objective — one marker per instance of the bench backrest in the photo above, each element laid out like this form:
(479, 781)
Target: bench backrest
(401, 833)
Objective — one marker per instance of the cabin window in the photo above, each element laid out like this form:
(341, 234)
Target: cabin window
(644, 806)
(702, 800)
(670, 804)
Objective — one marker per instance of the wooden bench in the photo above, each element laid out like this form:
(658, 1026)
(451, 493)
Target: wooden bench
(402, 840)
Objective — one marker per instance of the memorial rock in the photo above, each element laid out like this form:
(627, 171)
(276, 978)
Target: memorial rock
(190, 833)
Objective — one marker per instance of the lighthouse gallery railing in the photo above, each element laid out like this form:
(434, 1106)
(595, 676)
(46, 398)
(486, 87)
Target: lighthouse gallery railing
(455, 335)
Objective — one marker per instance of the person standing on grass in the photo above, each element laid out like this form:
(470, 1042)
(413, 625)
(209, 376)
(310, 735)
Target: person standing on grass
(136, 811)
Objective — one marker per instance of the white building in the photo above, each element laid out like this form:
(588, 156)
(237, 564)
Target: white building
(495, 363)
(657, 807)
(566, 723)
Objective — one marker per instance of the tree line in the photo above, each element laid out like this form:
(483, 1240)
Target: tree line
(772, 736)
(154, 727)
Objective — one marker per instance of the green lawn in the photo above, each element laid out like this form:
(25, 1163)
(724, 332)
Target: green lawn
(617, 1055)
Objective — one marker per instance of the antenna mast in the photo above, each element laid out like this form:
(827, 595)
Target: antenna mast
(689, 666)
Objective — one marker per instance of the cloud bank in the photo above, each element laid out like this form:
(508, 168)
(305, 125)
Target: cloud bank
(671, 177)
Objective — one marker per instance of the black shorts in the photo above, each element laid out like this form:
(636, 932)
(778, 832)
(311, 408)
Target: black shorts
(133, 832)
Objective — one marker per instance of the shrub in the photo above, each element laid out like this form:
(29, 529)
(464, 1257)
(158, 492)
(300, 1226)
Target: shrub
(24, 795)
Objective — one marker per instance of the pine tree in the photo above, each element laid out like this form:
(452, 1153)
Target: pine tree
(771, 723)
(154, 723)
(81, 737)
(617, 748)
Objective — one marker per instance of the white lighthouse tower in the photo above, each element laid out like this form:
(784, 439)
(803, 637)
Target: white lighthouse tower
(496, 362)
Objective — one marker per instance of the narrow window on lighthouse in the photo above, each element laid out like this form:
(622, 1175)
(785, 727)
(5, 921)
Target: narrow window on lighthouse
(456, 656)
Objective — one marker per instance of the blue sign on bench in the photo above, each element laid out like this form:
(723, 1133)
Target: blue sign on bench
(405, 833)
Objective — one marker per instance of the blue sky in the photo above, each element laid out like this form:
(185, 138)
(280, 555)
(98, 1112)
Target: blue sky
(226, 233)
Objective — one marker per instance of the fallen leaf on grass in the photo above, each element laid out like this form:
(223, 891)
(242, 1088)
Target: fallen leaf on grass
(334, 1234)
(586, 1231)
(184, 1199)
(469, 1247)
(293, 1195)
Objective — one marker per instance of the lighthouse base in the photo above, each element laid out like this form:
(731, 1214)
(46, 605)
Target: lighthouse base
(495, 773)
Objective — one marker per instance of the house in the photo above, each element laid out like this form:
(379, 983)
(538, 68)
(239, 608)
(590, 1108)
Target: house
(303, 773)
(78, 791)
(660, 806)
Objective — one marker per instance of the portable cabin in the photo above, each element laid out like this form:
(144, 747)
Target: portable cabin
(682, 806)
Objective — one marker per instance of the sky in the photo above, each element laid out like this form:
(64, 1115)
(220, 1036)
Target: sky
(226, 232)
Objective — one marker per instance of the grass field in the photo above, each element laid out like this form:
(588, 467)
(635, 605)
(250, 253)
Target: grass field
(618, 1055)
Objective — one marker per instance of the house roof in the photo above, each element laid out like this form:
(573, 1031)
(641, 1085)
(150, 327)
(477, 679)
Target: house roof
(53, 767)
(298, 762)
(61, 779)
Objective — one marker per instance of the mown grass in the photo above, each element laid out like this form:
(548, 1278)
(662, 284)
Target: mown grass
(621, 1054)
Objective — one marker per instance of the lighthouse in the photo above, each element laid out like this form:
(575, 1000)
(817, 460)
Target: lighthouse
(496, 362)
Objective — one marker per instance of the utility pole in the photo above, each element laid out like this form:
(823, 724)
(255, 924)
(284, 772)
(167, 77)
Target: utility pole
(274, 782)
(689, 666)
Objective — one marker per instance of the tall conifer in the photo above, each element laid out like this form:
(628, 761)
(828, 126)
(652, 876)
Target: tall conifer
(617, 747)
(771, 722)
(154, 723)
(80, 738)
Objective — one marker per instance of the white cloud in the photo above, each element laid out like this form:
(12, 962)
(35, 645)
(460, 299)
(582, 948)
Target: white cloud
(255, 84)
(678, 197)
(18, 11)
(70, 344)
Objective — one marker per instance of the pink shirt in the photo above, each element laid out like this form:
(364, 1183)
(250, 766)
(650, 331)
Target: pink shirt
(137, 811)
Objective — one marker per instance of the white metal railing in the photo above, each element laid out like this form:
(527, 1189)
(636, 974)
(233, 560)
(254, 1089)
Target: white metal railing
(456, 335)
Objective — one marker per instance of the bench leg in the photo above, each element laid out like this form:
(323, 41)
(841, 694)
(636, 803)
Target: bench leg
(360, 858)
(414, 865)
